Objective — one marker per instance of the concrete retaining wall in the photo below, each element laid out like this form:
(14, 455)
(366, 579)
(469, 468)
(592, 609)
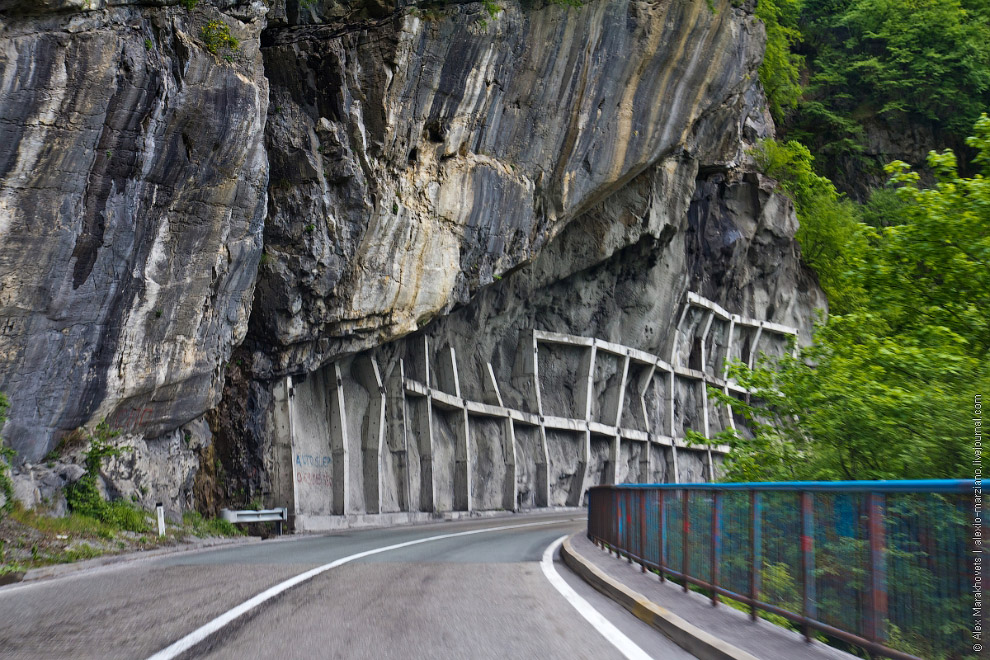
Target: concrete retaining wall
(373, 436)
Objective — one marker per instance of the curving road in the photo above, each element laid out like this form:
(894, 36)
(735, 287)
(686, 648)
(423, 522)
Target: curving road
(478, 592)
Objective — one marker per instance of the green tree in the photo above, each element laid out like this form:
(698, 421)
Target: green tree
(923, 63)
(885, 389)
(780, 71)
(829, 234)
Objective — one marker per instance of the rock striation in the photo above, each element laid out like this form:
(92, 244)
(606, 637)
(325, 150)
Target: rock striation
(133, 182)
(417, 158)
(360, 182)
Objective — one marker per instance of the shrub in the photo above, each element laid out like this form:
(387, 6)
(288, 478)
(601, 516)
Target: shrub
(83, 497)
(201, 527)
(216, 37)
(830, 234)
(6, 455)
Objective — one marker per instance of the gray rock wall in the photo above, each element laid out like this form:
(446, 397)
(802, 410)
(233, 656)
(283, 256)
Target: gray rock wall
(132, 196)
(359, 177)
(418, 158)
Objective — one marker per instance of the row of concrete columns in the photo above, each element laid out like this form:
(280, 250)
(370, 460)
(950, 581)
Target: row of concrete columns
(388, 428)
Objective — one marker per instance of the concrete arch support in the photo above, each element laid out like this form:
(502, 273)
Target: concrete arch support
(402, 430)
(398, 434)
(373, 431)
(338, 444)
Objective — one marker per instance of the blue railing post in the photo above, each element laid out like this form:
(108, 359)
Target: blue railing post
(877, 615)
(756, 549)
(716, 543)
(663, 535)
(628, 541)
(686, 526)
(616, 538)
(808, 560)
(642, 529)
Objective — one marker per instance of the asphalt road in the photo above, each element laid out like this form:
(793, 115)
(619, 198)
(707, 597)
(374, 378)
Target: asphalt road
(482, 595)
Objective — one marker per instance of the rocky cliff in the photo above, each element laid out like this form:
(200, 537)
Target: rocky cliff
(351, 179)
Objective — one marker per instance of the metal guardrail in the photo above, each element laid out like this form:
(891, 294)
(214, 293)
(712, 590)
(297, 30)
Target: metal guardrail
(279, 515)
(882, 565)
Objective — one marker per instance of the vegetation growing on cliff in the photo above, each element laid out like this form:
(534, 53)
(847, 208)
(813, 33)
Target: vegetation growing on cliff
(216, 37)
(6, 455)
(884, 390)
(874, 68)
(83, 496)
(93, 526)
(829, 233)
(887, 388)
(780, 71)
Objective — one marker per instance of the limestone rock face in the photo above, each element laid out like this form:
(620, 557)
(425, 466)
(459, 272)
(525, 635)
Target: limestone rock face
(418, 158)
(356, 177)
(132, 196)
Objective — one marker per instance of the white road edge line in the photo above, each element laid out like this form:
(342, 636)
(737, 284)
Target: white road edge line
(204, 631)
(616, 637)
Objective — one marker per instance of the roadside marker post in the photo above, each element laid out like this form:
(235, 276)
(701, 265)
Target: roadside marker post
(160, 510)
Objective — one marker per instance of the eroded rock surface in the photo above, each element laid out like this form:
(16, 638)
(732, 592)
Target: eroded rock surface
(132, 195)
(418, 158)
(433, 173)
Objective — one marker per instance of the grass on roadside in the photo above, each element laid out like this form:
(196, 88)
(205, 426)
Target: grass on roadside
(201, 527)
(31, 538)
(72, 524)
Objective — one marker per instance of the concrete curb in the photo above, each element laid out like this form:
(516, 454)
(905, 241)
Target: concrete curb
(689, 637)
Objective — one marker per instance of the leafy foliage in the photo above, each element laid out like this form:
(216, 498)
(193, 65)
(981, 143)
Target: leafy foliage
(884, 390)
(829, 232)
(83, 497)
(201, 527)
(920, 63)
(780, 71)
(925, 58)
(216, 37)
(6, 455)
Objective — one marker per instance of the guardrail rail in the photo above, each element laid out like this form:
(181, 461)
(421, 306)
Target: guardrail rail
(279, 515)
(883, 565)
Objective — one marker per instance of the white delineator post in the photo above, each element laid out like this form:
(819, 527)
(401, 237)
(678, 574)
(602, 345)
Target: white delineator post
(160, 510)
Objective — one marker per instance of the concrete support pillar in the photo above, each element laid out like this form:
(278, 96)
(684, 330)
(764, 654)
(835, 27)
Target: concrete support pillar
(642, 385)
(754, 351)
(368, 375)
(493, 396)
(398, 433)
(584, 394)
(612, 415)
(338, 444)
(449, 382)
(725, 372)
(671, 425)
(674, 362)
(282, 467)
(424, 424)
(526, 378)
(703, 384)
